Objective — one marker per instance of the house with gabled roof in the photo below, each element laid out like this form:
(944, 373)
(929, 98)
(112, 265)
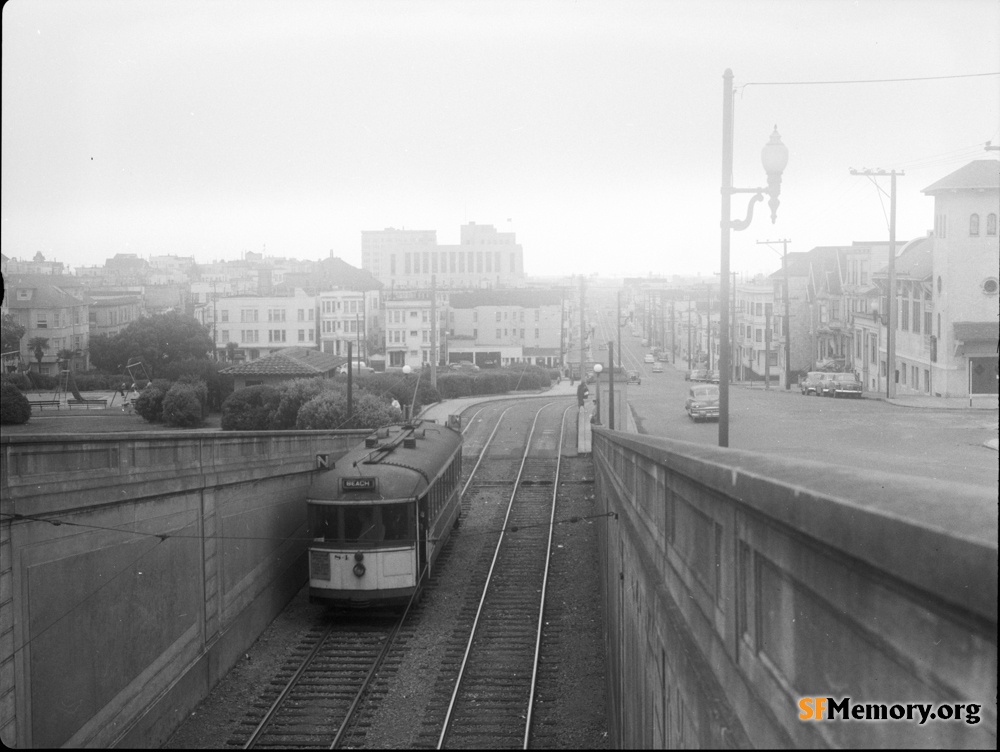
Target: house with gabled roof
(285, 365)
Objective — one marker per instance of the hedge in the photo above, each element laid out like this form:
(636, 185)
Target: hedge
(183, 406)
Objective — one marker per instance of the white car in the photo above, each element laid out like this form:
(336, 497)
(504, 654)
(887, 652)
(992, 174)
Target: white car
(649, 358)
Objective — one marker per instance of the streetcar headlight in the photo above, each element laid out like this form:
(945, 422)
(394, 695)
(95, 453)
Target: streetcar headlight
(359, 570)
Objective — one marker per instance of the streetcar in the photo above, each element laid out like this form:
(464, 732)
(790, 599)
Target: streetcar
(380, 516)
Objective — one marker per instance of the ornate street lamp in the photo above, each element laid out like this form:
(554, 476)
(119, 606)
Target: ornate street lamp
(774, 157)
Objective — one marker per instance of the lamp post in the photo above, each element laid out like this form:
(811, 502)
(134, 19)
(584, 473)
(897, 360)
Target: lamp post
(774, 157)
(597, 386)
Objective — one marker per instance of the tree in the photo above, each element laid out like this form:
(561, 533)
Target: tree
(38, 345)
(12, 332)
(68, 356)
(156, 339)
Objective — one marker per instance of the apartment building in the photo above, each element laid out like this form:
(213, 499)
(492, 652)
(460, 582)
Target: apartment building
(50, 315)
(484, 258)
(507, 326)
(756, 353)
(258, 326)
(409, 326)
(348, 316)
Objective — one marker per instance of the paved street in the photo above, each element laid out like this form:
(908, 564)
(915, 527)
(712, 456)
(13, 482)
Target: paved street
(870, 433)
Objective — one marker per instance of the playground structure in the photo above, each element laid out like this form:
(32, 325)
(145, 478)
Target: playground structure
(135, 371)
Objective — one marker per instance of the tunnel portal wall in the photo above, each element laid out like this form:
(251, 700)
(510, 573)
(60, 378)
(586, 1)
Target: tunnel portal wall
(738, 584)
(135, 569)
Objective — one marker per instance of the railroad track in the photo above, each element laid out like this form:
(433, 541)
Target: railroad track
(492, 700)
(319, 688)
(479, 691)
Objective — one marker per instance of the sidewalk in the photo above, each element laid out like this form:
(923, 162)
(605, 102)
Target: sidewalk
(439, 411)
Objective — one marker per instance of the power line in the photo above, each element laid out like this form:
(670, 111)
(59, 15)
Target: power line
(866, 80)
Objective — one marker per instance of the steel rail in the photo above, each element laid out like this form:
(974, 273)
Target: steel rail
(252, 741)
(489, 576)
(545, 582)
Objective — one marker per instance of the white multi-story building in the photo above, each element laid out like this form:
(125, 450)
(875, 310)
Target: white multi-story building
(499, 327)
(259, 326)
(484, 258)
(754, 345)
(409, 327)
(965, 304)
(348, 316)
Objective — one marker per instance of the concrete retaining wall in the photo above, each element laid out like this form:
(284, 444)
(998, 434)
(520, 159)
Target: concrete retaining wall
(136, 568)
(737, 584)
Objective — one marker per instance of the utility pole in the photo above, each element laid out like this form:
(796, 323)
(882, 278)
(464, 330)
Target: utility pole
(689, 334)
(708, 328)
(582, 322)
(611, 387)
(890, 298)
(767, 349)
(784, 322)
(673, 332)
(434, 331)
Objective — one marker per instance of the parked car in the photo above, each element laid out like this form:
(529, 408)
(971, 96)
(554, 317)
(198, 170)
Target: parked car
(359, 367)
(713, 376)
(813, 383)
(634, 378)
(698, 374)
(842, 384)
(657, 368)
(702, 402)
(663, 358)
(648, 358)
(463, 365)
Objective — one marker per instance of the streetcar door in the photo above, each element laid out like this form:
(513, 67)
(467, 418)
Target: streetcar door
(421, 534)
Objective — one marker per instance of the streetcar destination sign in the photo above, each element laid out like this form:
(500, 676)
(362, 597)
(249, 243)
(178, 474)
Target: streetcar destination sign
(357, 484)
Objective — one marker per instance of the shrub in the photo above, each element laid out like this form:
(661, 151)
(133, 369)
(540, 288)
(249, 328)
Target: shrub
(455, 385)
(220, 385)
(329, 411)
(294, 394)
(371, 411)
(14, 406)
(326, 410)
(41, 381)
(19, 380)
(183, 405)
(200, 391)
(250, 409)
(400, 387)
(96, 381)
(149, 404)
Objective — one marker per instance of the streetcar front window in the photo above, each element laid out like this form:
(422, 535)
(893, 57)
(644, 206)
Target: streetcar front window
(362, 524)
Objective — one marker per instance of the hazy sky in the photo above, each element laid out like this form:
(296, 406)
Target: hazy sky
(593, 130)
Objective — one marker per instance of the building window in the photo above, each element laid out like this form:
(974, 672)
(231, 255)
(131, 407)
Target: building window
(974, 225)
(302, 314)
(927, 381)
(41, 321)
(498, 334)
(225, 316)
(916, 317)
(991, 224)
(302, 335)
(224, 334)
(275, 335)
(248, 315)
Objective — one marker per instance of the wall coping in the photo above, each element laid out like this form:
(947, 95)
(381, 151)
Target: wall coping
(943, 535)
